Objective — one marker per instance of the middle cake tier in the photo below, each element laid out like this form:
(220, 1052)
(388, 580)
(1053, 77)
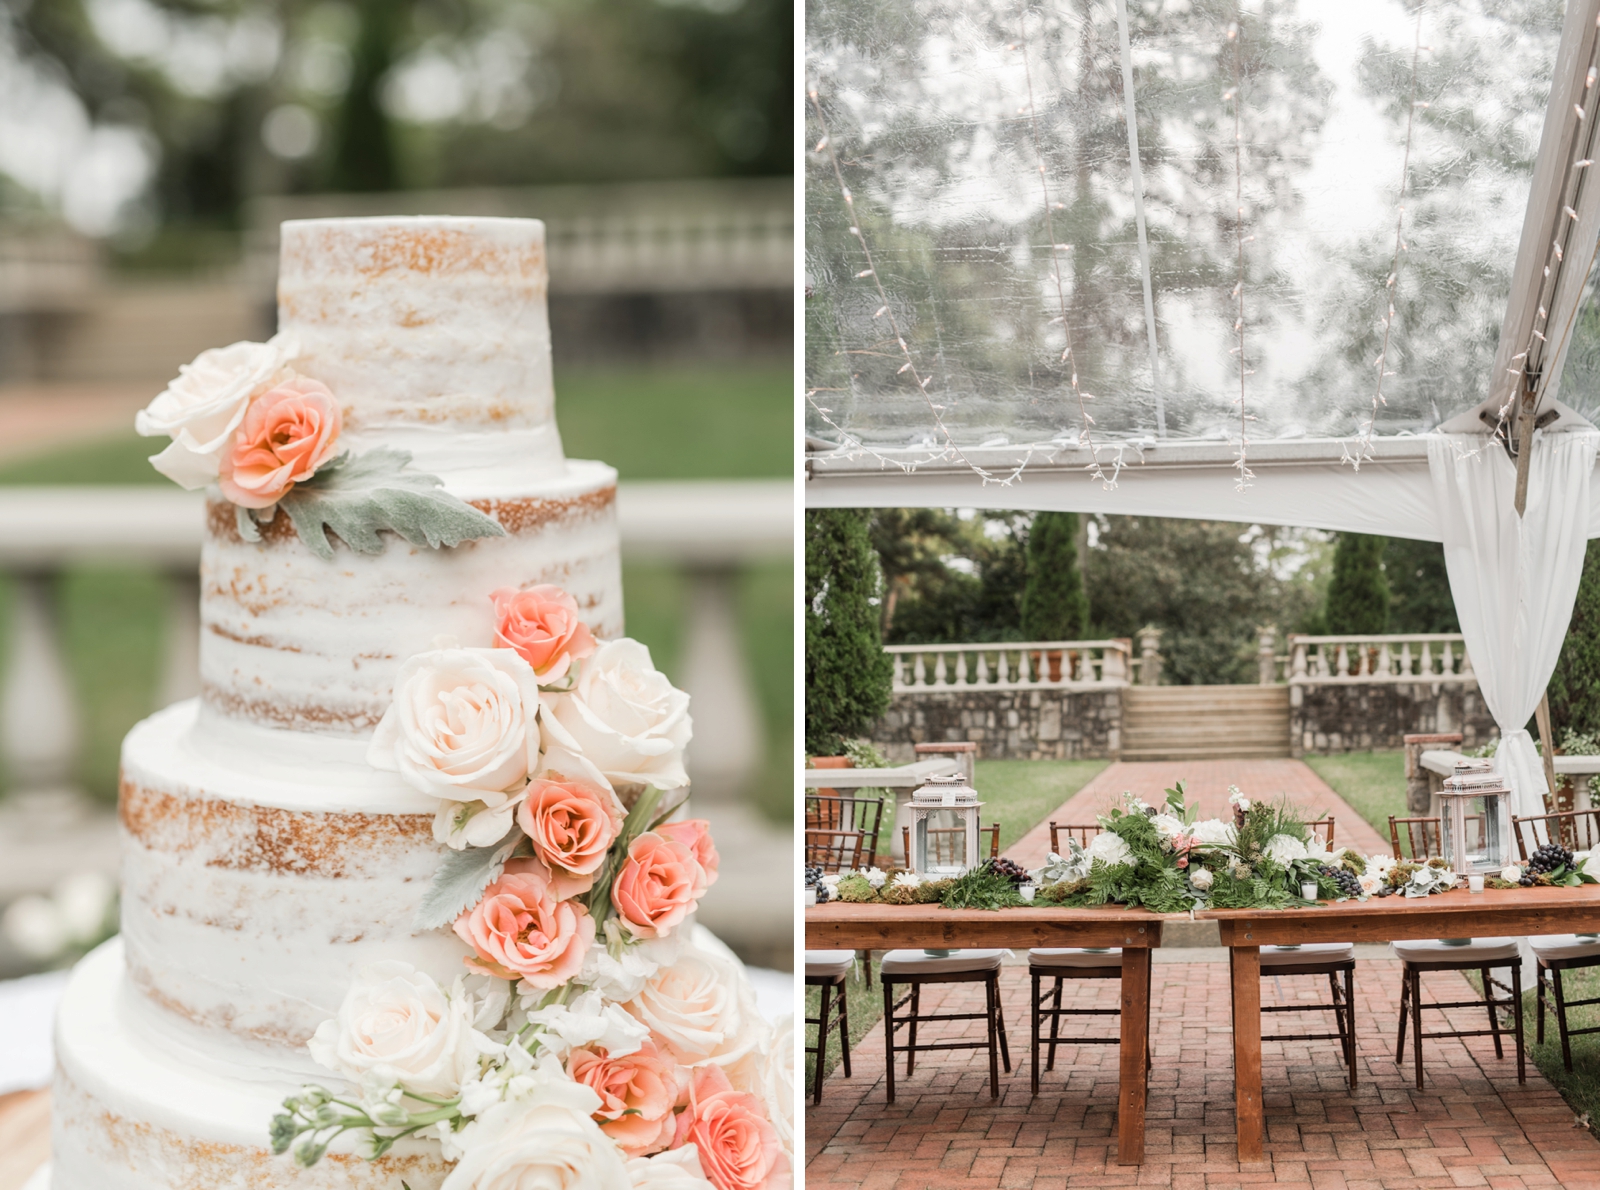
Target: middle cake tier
(261, 870)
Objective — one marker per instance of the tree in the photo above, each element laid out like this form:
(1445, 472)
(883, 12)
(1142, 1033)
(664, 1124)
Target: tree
(1419, 588)
(1054, 604)
(911, 545)
(1575, 686)
(970, 592)
(1358, 594)
(848, 674)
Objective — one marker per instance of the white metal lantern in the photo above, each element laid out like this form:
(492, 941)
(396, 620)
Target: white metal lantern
(1475, 818)
(944, 827)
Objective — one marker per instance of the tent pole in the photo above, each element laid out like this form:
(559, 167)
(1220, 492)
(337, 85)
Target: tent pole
(1525, 424)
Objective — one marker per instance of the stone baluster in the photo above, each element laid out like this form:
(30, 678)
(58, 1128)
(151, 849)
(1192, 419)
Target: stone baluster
(1266, 655)
(1297, 659)
(1114, 665)
(1405, 658)
(1426, 668)
(1385, 661)
(1447, 659)
(1342, 663)
(38, 713)
(728, 737)
(941, 662)
(1150, 656)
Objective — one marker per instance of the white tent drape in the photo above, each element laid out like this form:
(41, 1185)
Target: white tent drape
(1514, 579)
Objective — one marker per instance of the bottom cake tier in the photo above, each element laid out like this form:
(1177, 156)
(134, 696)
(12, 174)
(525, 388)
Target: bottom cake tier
(130, 1112)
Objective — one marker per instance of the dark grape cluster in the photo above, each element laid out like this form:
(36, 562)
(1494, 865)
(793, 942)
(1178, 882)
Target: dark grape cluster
(1344, 878)
(814, 874)
(1549, 857)
(1010, 869)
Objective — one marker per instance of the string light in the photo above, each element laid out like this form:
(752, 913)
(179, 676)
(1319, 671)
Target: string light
(1241, 464)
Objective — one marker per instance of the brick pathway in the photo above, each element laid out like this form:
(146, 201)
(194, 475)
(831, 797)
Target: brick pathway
(1206, 783)
(1472, 1126)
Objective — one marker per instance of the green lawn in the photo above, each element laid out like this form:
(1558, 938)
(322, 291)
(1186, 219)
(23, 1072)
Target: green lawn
(657, 423)
(1374, 783)
(1020, 794)
(865, 1002)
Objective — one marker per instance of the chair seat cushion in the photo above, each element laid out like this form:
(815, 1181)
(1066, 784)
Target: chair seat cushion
(1307, 953)
(920, 962)
(825, 963)
(1475, 953)
(1566, 946)
(1074, 956)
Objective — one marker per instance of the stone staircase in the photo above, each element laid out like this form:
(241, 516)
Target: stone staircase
(1205, 722)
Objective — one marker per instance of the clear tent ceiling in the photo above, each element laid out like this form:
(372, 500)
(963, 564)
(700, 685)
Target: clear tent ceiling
(985, 147)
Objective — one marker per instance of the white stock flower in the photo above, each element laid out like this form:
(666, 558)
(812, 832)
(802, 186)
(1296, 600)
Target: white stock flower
(616, 977)
(1201, 878)
(514, 1074)
(701, 1010)
(202, 408)
(1212, 832)
(626, 718)
(397, 1025)
(876, 877)
(589, 1021)
(463, 726)
(1285, 848)
(676, 1169)
(1237, 798)
(546, 1141)
(1111, 849)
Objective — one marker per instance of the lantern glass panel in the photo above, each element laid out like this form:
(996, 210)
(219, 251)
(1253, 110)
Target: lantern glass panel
(941, 842)
(1483, 835)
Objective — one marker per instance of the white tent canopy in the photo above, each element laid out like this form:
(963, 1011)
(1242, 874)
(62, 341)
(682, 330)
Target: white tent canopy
(1306, 238)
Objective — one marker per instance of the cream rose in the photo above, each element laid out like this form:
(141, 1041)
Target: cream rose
(626, 718)
(546, 1141)
(701, 1010)
(204, 406)
(677, 1169)
(397, 1026)
(463, 726)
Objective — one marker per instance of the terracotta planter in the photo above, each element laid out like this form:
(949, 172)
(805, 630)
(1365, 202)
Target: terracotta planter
(831, 762)
(1053, 657)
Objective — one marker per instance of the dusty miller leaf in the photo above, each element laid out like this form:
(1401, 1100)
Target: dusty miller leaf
(459, 883)
(358, 495)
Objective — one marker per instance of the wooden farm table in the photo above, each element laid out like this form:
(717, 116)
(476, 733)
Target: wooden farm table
(887, 927)
(1459, 914)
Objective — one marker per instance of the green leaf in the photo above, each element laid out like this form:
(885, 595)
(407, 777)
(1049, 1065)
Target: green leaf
(459, 881)
(356, 496)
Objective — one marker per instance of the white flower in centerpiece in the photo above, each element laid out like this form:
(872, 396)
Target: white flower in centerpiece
(626, 718)
(1586, 863)
(1237, 798)
(204, 406)
(701, 1010)
(1201, 878)
(589, 1021)
(1168, 826)
(876, 877)
(1511, 873)
(397, 1025)
(546, 1141)
(676, 1169)
(831, 879)
(907, 880)
(1284, 849)
(1380, 863)
(1370, 882)
(1212, 832)
(463, 726)
(1111, 849)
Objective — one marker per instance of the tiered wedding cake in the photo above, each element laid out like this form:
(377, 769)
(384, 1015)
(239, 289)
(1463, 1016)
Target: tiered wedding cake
(409, 692)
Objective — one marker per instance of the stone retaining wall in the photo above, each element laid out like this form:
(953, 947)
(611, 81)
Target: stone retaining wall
(1358, 717)
(1006, 724)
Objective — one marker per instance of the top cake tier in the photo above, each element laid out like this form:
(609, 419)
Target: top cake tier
(425, 322)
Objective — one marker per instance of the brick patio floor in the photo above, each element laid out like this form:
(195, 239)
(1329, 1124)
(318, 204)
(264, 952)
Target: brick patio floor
(1472, 1125)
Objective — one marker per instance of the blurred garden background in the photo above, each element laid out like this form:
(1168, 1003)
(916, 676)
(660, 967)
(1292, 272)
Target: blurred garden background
(148, 151)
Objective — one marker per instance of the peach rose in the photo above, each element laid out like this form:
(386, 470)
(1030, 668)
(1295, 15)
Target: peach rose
(695, 834)
(519, 929)
(738, 1146)
(659, 883)
(637, 1094)
(571, 825)
(542, 624)
(288, 432)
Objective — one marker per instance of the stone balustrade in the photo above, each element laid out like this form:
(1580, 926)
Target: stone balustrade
(1021, 665)
(1408, 657)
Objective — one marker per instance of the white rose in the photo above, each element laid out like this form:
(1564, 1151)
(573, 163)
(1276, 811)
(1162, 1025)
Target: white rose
(397, 1026)
(1212, 832)
(463, 726)
(1510, 873)
(1588, 863)
(676, 1169)
(202, 408)
(1168, 826)
(546, 1141)
(701, 1010)
(777, 1081)
(1370, 882)
(1284, 848)
(1110, 849)
(1201, 878)
(626, 718)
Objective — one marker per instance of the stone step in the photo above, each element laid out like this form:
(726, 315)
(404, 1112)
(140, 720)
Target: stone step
(1219, 752)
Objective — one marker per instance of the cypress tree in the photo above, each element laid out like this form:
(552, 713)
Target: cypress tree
(1054, 604)
(1575, 686)
(848, 674)
(1358, 594)
(1419, 587)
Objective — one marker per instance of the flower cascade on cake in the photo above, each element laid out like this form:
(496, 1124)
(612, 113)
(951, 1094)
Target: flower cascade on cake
(588, 1041)
(243, 419)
